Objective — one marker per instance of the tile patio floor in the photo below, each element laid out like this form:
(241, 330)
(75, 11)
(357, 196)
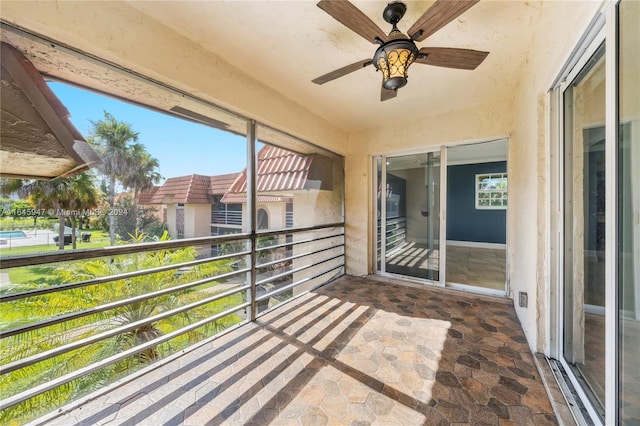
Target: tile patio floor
(354, 352)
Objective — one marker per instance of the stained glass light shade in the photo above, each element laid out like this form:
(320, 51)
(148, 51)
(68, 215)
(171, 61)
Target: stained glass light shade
(393, 60)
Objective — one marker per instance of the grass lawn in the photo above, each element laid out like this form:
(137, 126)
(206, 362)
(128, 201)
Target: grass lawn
(99, 239)
(42, 274)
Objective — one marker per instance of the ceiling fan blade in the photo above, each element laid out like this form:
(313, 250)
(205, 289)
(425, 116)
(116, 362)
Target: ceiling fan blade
(342, 71)
(386, 94)
(353, 18)
(437, 16)
(450, 57)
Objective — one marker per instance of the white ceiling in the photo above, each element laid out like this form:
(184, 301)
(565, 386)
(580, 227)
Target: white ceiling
(285, 44)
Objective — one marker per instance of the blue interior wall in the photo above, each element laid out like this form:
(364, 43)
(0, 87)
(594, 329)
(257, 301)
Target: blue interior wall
(464, 221)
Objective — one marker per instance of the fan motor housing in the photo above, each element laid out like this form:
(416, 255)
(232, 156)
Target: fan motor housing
(394, 12)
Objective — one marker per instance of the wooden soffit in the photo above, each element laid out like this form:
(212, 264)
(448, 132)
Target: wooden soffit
(37, 140)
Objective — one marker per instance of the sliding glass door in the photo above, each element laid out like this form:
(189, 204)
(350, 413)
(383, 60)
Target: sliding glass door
(628, 213)
(412, 193)
(600, 277)
(408, 215)
(584, 228)
(476, 225)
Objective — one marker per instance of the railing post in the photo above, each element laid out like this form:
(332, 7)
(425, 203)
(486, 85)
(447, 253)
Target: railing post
(251, 210)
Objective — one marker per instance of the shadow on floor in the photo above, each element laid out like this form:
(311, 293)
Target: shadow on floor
(353, 352)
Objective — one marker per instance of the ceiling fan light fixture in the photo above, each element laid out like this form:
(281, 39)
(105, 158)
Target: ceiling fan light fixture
(393, 60)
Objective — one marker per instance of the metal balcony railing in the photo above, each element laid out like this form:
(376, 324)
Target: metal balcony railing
(198, 294)
(396, 233)
(226, 217)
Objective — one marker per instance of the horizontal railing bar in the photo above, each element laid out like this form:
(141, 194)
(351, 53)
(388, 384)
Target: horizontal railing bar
(391, 219)
(102, 308)
(52, 384)
(301, 268)
(293, 243)
(260, 234)
(297, 256)
(42, 356)
(402, 224)
(43, 259)
(391, 231)
(288, 286)
(39, 259)
(393, 235)
(102, 280)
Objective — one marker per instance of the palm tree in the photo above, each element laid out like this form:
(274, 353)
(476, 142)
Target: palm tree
(60, 194)
(114, 141)
(143, 175)
(82, 195)
(44, 194)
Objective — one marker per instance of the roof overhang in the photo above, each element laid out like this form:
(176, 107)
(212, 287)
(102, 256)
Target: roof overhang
(37, 140)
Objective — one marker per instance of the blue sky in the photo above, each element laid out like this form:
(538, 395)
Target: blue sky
(181, 147)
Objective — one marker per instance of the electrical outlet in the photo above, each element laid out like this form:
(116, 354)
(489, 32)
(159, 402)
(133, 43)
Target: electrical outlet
(524, 299)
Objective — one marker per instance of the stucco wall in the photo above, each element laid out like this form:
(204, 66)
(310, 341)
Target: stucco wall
(275, 213)
(197, 220)
(561, 26)
(171, 221)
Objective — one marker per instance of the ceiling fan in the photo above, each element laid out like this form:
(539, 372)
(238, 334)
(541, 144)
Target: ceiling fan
(398, 51)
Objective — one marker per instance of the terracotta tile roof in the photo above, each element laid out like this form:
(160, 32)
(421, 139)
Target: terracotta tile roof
(220, 184)
(144, 197)
(191, 189)
(278, 170)
(230, 198)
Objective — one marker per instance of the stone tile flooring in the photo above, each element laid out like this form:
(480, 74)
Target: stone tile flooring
(354, 352)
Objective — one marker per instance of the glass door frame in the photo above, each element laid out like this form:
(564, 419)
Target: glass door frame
(382, 158)
(442, 281)
(604, 29)
(470, 287)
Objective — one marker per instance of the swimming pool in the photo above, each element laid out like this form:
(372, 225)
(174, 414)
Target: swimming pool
(12, 234)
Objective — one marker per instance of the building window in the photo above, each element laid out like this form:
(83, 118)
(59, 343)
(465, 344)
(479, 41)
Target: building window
(491, 191)
(262, 219)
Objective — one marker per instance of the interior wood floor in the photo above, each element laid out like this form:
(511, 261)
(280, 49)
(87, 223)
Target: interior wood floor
(480, 267)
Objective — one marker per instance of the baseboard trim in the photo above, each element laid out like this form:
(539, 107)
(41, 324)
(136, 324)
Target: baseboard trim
(476, 244)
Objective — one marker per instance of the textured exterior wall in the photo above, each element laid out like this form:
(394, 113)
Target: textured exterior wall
(561, 26)
(197, 220)
(171, 221)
